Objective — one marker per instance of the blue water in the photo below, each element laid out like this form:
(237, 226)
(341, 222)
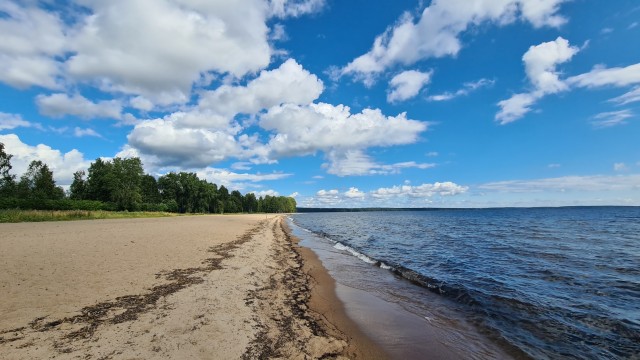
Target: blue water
(550, 282)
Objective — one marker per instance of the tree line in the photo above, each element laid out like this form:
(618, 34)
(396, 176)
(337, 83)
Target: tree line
(121, 184)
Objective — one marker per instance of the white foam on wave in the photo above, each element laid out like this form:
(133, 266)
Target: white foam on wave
(355, 253)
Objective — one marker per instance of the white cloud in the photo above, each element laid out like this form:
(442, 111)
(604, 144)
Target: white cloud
(620, 167)
(328, 197)
(12, 121)
(354, 193)
(31, 39)
(79, 132)
(303, 130)
(612, 118)
(141, 103)
(356, 162)
(515, 107)
(169, 145)
(554, 166)
(241, 165)
(235, 180)
(420, 191)
(466, 89)
(540, 65)
(629, 97)
(595, 183)
(294, 8)
(289, 83)
(63, 165)
(278, 33)
(59, 105)
(159, 49)
(296, 126)
(601, 76)
(263, 193)
(407, 84)
(436, 33)
(395, 196)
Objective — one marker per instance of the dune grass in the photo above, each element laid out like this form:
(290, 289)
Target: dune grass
(14, 215)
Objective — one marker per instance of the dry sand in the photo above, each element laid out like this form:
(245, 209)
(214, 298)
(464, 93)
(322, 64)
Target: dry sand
(203, 287)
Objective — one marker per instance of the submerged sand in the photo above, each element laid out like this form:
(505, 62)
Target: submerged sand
(208, 287)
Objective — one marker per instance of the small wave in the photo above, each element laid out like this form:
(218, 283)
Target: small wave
(355, 253)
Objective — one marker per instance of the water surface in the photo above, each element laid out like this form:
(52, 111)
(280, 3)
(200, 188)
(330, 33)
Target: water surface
(544, 283)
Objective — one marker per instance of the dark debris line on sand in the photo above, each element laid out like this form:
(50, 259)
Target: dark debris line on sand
(282, 326)
(129, 307)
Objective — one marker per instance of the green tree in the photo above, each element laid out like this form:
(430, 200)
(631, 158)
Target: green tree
(38, 183)
(78, 188)
(149, 190)
(99, 181)
(7, 180)
(124, 179)
(250, 203)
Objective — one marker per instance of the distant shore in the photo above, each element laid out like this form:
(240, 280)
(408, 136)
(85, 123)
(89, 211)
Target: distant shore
(234, 286)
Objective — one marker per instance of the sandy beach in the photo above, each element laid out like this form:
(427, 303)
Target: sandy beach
(205, 287)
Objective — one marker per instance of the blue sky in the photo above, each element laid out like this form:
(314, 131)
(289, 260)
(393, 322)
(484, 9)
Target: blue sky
(455, 103)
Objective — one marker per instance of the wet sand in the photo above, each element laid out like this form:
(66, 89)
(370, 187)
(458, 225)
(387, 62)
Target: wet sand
(205, 287)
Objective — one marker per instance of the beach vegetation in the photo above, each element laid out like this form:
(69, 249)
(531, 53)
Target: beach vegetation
(120, 184)
(17, 215)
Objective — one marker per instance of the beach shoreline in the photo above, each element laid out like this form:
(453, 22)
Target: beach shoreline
(234, 286)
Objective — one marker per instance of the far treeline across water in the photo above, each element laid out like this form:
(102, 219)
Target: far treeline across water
(121, 184)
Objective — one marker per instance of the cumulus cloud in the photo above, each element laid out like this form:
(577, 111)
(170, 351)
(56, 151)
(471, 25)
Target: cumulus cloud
(354, 193)
(170, 145)
(263, 193)
(399, 195)
(296, 126)
(141, 103)
(63, 165)
(407, 85)
(356, 162)
(540, 66)
(328, 197)
(290, 83)
(540, 63)
(237, 181)
(12, 121)
(303, 130)
(59, 105)
(436, 33)
(294, 8)
(446, 188)
(159, 49)
(466, 89)
(612, 118)
(31, 40)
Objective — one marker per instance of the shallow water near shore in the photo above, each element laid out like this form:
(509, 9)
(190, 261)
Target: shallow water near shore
(407, 321)
(492, 283)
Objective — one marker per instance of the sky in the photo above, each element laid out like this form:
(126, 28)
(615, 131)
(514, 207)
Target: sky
(360, 103)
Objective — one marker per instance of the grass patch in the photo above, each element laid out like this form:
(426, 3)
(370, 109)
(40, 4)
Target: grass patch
(15, 216)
